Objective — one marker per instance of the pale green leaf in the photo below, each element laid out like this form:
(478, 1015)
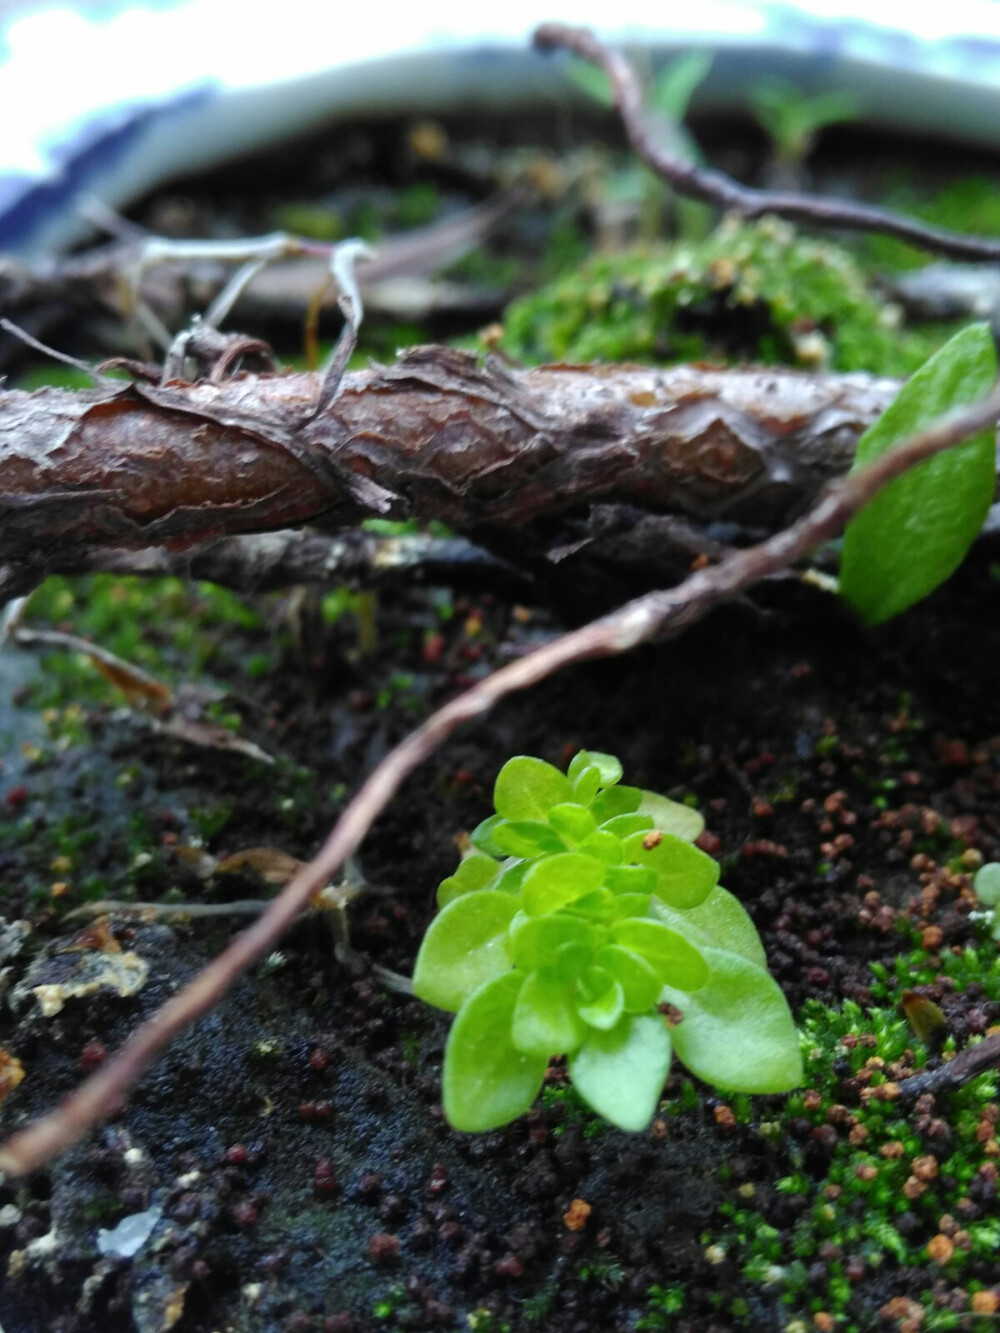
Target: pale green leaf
(737, 1031)
(685, 875)
(534, 940)
(671, 816)
(545, 1020)
(620, 1074)
(475, 871)
(604, 1001)
(673, 957)
(554, 881)
(486, 1081)
(465, 945)
(528, 788)
(640, 983)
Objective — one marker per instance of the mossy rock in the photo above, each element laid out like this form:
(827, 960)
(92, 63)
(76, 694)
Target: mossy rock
(749, 292)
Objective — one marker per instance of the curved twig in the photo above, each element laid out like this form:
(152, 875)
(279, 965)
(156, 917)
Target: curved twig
(635, 623)
(714, 187)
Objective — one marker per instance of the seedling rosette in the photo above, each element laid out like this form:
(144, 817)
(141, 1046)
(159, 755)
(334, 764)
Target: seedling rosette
(582, 922)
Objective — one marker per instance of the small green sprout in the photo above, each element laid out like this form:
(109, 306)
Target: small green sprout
(585, 922)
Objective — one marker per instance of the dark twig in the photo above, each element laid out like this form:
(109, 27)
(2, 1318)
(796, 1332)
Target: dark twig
(955, 1073)
(260, 562)
(714, 187)
(637, 622)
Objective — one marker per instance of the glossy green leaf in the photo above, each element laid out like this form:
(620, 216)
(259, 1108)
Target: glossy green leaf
(475, 871)
(486, 1081)
(671, 816)
(534, 940)
(554, 881)
(915, 533)
(465, 945)
(673, 957)
(572, 821)
(526, 838)
(528, 788)
(545, 1021)
(640, 983)
(737, 1031)
(602, 1002)
(630, 904)
(685, 875)
(620, 1074)
(600, 906)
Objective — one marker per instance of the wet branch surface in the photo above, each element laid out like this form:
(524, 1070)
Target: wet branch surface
(483, 448)
(656, 615)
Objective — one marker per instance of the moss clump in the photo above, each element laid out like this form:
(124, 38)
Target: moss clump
(748, 292)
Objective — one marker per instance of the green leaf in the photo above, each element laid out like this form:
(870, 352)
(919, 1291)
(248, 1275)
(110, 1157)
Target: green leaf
(526, 837)
(594, 82)
(620, 1074)
(603, 999)
(987, 884)
(465, 945)
(572, 821)
(676, 83)
(671, 817)
(482, 837)
(915, 533)
(528, 788)
(607, 765)
(475, 871)
(685, 875)
(557, 880)
(622, 825)
(630, 879)
(486, 1081)
(726, 925)
(673, 957)
(605, 846)
(737, 1031)
(616, 801)
(640, 983)
(587, 784)
(534, 940)
(545, 1020)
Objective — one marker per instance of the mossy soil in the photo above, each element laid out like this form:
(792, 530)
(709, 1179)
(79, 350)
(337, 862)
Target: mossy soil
(292, 1144)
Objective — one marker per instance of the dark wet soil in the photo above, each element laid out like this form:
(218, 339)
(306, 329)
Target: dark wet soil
(294, 1140)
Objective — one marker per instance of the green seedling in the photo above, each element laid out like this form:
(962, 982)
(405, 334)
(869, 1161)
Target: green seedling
(916, 532)
(793, 119)
(585, 922)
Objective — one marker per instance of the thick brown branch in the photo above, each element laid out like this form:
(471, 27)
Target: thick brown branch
(436, 435)
(714, 187)
(639, 621)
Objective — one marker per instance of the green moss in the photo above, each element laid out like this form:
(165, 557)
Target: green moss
(749, 292)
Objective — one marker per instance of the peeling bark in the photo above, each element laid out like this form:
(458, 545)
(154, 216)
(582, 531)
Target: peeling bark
(437, 435)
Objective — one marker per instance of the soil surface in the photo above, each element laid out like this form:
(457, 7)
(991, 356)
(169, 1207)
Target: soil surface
(287, 1164)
